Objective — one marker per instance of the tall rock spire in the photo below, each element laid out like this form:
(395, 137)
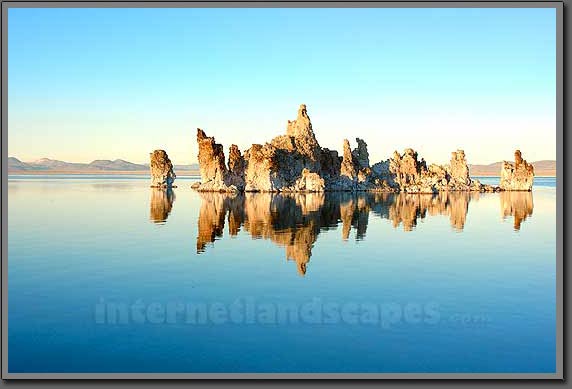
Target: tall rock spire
(162, 174)
(518, 175)
(302, 126)
(305, 142)
(459, 170)
(348, 164)
(211, 158)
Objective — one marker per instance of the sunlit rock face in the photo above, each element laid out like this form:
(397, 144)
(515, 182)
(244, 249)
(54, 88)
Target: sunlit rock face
(409, 174)
(406, 173)
(458, 169)
(517, 176)
(261, 173)
(162, 173)
(304, 140)
(348, 171)
(161, 204)
(295, 162)
(215, 176)
(309, 182)
(516, 204)
(289, 162)
(355, 174)
(211, 157)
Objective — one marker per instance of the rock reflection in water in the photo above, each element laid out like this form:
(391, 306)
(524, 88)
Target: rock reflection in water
(161, 204)
(407, 209)
(516, 204)
(292, 221)
(295, 220)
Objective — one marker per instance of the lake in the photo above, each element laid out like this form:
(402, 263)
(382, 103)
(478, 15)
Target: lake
(108, 275)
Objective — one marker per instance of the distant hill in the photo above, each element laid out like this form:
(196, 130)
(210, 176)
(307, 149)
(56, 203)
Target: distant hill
(541, 168)
(118, 164)
(53, 164)
(16, 164)
(192, 166)
(544, 165)
(47, 165)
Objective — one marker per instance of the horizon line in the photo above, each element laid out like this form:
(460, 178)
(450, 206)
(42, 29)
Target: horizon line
(226, 157)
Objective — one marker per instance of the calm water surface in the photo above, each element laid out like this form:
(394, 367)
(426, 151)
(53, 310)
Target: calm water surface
(108, 275)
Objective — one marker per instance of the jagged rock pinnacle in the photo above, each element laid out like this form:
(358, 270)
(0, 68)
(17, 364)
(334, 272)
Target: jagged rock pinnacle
(517, 176)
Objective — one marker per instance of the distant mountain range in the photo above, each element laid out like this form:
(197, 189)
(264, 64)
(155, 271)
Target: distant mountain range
(100, 165)
(46, 165)
(541, 168)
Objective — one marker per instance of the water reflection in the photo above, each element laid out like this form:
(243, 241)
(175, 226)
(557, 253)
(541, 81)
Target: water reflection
(294, 221)
(407, 209)
(161, 204)
(516, 204)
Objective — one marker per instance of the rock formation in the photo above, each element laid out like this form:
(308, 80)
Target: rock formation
(211, 157)
(348, 171)
(162, 174)
(289, 163)
(305, 143)
(458, 169)
(260, 169)
(215, 176)
(236, 162)
(295, 162)
(352, 172)
(517, 176)
(406, 170)
(406, 173)
(309, 182)
(360, 154)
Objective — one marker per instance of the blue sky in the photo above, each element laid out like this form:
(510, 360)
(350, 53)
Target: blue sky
(90, 84)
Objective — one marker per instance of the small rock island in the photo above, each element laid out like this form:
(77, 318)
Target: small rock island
(295, 162)
(162, 173)
(517, 176)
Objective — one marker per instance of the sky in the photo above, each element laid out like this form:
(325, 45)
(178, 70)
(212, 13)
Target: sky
(87, 84)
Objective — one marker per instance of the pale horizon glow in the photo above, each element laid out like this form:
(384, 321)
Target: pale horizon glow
(88, 84)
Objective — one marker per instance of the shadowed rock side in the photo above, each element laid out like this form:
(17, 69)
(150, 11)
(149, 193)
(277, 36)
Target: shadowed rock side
(161, 204)
(517, 176)
(295, 220)
(162, 174)
(295, 162)
(516, 204)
